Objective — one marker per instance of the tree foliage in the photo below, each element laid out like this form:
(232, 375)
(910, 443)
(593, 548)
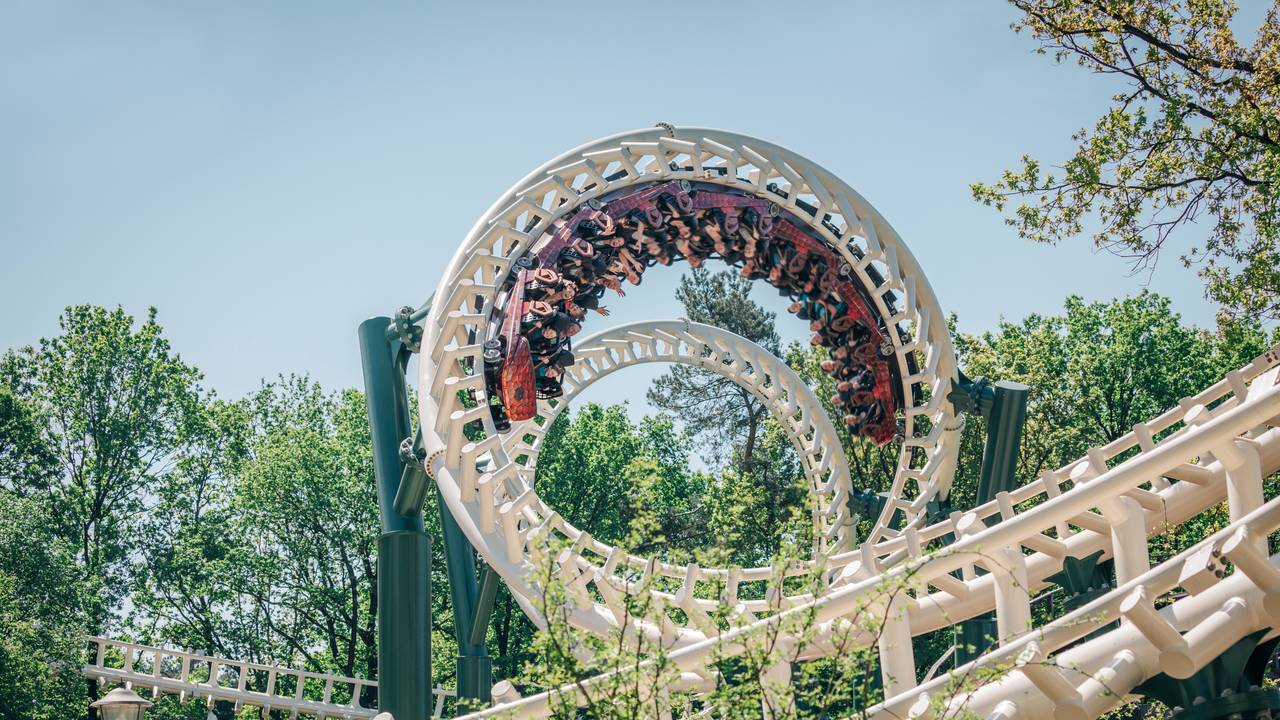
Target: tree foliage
(193, 554)
(307, 500)
(263, 542)
(582, 472)
(711, 407)
(1095, 371)
(116, 405)
(42, 617)
(751, 509)
(25, 454)
(1192, 139)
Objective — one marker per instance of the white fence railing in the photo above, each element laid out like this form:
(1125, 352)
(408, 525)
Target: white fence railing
(192, 675)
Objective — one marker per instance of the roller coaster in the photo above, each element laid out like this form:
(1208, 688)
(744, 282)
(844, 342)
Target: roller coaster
(501, 353)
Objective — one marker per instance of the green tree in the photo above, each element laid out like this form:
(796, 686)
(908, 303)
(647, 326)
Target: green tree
(25, 455)
(1094, 372)
(1192, 139)
(194, 554)
(42, 617)
(117, 406)
(711, 407)
(263, 542)
(306, 501)
(754, 515)
(582, 473)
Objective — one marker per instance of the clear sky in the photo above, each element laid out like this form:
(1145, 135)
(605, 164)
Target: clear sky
(268, 174)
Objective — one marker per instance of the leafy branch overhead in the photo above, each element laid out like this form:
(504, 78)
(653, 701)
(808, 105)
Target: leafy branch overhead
(1189, 149)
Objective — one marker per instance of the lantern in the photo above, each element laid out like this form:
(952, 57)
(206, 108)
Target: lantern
(121, 704)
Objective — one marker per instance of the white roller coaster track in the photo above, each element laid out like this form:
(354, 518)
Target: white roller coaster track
(1218, 445)
(499, 509)
(792, 404)
(798, 411)
(1091, 678)
(191, 675)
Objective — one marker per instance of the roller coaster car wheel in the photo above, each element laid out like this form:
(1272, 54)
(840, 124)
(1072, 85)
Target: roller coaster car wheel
(493, 362)
(522, 263)
(493, 357)
(500, 421)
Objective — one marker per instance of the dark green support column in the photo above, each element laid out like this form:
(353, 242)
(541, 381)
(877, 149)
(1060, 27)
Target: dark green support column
(402, 490)
(388, 401)
(470, 609)
(1004, 438)
(1004, 406)
(974, 637)
(404, 550)
(475, 667)
(404, 624)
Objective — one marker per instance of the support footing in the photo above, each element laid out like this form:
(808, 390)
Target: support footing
(475, 680)
(404, 630)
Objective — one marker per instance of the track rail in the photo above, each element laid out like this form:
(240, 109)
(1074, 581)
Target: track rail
(1178, 639)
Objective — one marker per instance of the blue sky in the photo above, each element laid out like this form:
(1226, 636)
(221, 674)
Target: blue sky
(269, 174)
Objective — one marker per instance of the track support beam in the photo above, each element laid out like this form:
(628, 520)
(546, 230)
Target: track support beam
(1004, 407)
(1005, 420)
(471, 609)
(404, 549)
(404, 623)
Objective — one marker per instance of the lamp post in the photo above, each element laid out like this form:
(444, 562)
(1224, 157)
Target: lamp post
(121, 704)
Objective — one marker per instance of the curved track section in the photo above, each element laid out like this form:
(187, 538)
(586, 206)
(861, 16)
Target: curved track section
(615, 239)
(1218, 445)
(791, 402)
(590, 563)
(476, 289)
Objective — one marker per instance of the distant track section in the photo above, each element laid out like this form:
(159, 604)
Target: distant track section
(191, 675)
